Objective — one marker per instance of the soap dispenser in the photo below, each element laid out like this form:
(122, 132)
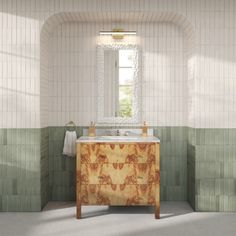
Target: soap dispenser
(144, 129)
(91, 130)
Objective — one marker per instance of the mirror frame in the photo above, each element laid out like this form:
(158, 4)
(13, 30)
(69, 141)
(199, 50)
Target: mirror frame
(136, 118)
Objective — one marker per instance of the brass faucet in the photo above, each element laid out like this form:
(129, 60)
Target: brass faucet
(91, 130)
(144, 129)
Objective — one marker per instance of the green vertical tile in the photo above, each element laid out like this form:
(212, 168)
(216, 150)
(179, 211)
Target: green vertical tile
(35, 201)
(3, 153)
(10, 136)
(57, 147)
(163, 194)
(22, 135)
(176, 193)
(25, 203)
(5, 202)
(230, 169)
(200, 136)
(206, 187)
(178, 133)
(232, 136)
(14, 186)
(201, 153)
(221, 136)
(3, 137)
(208, 170)
(232, 152)
(192, 136)
(232, 204)
(223, 203)
(211, 153)
(225, 186)
(63, 163)
(207, 203)
(209, 136)
(14, 203)
(56, 133)
(1, 187)
(167, 133)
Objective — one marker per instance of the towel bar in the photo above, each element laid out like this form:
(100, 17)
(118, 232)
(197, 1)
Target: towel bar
(69, 125)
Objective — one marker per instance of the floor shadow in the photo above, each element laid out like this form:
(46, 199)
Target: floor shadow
(168, 209)
(118, 210)
(56, 205)
(171, 209)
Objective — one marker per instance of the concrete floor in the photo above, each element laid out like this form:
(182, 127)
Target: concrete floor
(58, 218)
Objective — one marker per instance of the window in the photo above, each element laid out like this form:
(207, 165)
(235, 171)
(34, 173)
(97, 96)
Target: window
(125, 83)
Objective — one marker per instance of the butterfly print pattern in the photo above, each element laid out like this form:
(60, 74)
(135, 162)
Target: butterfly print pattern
(118, 174)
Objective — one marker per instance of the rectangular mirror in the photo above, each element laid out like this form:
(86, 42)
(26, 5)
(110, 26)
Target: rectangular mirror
(118, 83)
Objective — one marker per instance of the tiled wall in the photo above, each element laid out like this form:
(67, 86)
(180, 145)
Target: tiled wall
(73, 75)
(213, 23)
(173, 162)
(61, 168)
(24, 171)
(44, 78)
(191, 133)
(44, 166)
(212, 169)
(210, 97)
(20, 174)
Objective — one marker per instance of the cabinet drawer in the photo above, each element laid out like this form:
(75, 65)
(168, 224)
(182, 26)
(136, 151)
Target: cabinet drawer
(117, 153)
(118, 173)
(93, 194)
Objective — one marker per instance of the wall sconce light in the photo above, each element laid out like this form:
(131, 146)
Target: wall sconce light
(117, 33)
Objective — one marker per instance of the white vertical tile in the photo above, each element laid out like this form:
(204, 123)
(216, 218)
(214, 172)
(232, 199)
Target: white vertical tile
(79, 65)
(30, 86)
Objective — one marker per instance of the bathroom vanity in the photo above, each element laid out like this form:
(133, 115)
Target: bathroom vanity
(118, 171)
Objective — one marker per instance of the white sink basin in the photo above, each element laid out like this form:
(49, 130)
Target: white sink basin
(119, 137)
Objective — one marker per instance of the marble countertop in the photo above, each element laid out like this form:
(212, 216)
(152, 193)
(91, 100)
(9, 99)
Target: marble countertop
(118, 139)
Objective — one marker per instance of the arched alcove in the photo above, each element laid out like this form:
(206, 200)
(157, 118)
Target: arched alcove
(175, 186)
(115, 19)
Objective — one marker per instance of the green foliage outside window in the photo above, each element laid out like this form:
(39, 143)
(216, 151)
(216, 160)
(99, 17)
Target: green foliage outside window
(125, 101)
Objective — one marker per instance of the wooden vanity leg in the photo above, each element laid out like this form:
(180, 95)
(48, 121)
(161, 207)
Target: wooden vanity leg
(78, 183)
(157, 211)
(78, 211)
(157, 205)
(78, 202)
(157, 200)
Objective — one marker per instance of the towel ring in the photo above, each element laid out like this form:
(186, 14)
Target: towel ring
(70, 125)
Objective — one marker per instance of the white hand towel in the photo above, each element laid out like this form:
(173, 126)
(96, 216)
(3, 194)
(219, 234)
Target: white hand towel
(69, 148)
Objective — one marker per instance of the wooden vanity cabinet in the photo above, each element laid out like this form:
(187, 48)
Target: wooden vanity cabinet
(118, 174)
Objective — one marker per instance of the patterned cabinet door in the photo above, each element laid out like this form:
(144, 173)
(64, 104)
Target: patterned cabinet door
(118, 173)
(118, 153)
(93, 194)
